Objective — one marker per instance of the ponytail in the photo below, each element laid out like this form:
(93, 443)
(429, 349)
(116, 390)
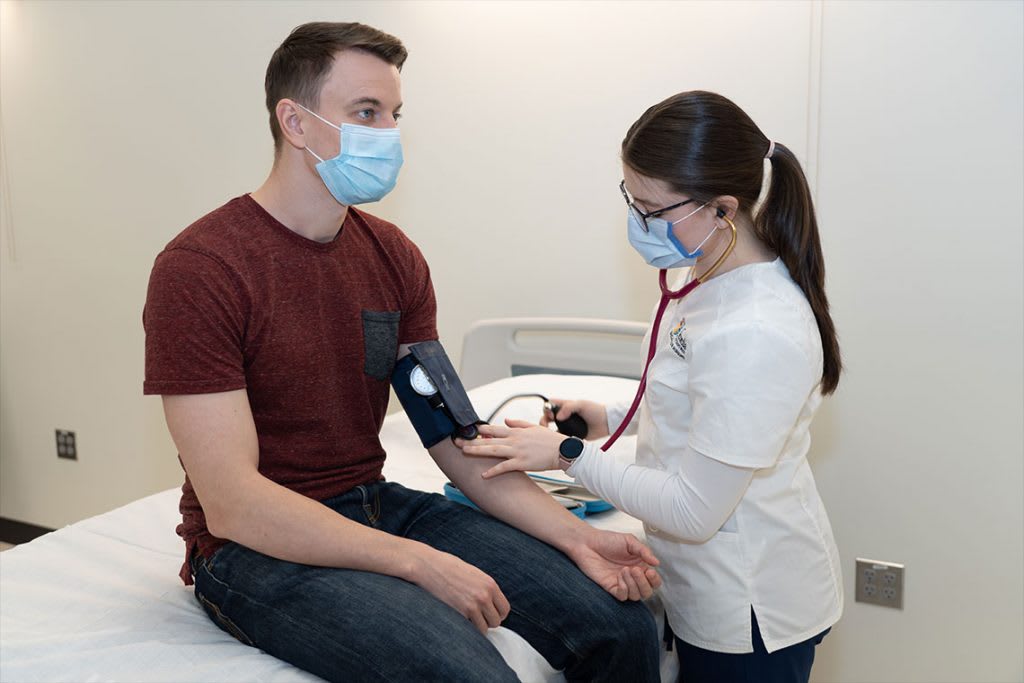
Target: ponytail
(787, 225)
(701, 144)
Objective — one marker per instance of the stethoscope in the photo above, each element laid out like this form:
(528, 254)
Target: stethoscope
(667, 295)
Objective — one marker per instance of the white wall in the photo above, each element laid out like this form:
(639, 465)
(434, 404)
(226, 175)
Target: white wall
(920, 198)
(124, 121)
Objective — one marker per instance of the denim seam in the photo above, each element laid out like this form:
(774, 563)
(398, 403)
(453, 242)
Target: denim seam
(232, 628)
(209, 572)
(220, 614)
(376, 505)
(210, 562)
(557, 636)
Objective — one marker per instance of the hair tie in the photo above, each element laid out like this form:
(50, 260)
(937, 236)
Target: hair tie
(771, 149)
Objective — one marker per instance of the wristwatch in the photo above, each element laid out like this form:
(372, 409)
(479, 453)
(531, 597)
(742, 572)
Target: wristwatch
(570, 449)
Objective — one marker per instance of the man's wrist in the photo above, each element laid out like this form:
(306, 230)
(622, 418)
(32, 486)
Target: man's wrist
(411, 561)
(574, 538)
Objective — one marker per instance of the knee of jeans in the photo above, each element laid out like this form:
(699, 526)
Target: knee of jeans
(638, 625)
(626, 623)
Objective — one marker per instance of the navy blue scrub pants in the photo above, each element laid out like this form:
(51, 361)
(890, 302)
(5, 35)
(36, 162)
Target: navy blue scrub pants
(789, 665)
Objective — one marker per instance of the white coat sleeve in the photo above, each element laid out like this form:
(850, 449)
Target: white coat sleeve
(617, 413)
(692, 504)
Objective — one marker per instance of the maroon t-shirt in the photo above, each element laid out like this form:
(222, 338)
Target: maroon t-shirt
(310, 330)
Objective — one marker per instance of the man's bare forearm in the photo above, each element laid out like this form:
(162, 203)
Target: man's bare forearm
(281, 523)
(513, 498)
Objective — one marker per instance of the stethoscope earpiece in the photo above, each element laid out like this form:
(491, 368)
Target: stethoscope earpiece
(720, 212)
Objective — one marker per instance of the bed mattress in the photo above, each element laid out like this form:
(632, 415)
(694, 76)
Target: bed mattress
(100, 600)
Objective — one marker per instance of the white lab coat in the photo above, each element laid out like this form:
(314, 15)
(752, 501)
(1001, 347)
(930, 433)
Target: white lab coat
(721, 478)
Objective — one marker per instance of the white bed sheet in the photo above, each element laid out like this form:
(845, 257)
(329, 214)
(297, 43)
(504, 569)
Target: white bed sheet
(100, 600)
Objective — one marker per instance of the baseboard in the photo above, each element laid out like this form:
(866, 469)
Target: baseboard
(13, 531)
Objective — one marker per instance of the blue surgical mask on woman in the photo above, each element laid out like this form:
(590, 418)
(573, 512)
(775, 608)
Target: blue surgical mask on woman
(659, 246)
(367, 165)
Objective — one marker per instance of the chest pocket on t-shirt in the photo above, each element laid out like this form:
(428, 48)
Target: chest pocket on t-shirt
(380, 342)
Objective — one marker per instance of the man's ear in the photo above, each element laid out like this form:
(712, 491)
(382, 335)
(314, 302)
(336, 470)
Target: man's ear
(287, 113)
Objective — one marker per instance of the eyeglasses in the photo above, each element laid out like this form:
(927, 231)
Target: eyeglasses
(642, 217)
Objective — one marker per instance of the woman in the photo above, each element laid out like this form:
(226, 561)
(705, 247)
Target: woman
(738, 361)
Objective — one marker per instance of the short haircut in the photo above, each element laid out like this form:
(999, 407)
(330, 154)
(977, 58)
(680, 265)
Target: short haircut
(299, 66)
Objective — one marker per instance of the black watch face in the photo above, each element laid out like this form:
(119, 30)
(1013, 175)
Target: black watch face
(570, 448)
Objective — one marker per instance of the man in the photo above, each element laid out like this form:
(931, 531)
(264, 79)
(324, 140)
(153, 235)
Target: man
(273, 327)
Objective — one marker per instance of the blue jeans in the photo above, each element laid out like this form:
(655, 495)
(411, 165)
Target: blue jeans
(348, 625)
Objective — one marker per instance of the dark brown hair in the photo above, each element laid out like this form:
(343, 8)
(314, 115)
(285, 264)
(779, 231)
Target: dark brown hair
(299, 66)
(703, 145)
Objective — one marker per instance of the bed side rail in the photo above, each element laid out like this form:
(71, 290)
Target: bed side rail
(506, 347)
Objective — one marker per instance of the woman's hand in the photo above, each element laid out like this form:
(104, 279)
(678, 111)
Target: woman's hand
(593, 413)
(525, 446)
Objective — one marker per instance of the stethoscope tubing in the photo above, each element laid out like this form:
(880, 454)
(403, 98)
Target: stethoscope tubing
(667, 295)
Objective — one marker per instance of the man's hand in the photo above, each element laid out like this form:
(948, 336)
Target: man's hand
(619, 563)
(461, 586)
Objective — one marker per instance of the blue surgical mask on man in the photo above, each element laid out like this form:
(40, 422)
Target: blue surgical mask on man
(659, 246)
(367, 165)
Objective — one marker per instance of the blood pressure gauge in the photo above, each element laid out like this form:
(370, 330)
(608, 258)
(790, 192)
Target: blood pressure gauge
(421, 382)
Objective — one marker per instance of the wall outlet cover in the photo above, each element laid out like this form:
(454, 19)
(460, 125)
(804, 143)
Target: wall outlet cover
(879, 583)
(66, 445)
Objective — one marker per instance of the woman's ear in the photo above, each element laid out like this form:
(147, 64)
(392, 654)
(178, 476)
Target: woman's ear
(726, 205)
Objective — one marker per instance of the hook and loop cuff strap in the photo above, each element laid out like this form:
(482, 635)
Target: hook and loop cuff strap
(448, 411)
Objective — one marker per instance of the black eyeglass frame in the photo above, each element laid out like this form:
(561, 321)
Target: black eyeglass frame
(640, 215)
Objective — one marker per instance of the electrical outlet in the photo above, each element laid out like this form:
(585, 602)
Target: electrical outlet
(66, 445)
(879, 583)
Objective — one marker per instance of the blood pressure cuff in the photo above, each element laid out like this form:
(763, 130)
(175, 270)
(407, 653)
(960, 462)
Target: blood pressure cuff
(447, 413)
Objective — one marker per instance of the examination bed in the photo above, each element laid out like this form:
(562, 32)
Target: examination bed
(100, 600)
